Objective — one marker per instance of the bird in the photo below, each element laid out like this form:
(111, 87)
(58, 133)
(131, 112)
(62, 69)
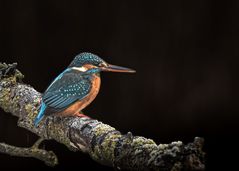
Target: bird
(76, 87)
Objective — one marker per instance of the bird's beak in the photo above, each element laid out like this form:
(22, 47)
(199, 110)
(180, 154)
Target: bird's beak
(114, 68)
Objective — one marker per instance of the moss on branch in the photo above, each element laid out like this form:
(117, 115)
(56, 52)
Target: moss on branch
(48, 157)
(102, 142)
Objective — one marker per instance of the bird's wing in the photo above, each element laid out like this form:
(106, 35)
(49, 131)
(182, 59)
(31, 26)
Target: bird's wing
(66, 89)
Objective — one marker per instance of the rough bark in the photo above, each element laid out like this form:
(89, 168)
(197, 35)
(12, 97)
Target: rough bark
(48, 157)
(102, 142)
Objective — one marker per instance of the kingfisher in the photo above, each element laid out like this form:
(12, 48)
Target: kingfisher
(76, 87)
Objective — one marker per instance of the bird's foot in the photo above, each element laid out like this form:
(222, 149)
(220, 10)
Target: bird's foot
(81, 115)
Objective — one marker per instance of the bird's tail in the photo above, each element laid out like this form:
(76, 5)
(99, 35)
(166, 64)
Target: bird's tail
(40, 114)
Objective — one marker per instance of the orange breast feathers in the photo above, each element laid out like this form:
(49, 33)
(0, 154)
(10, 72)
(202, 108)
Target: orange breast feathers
(81, 104)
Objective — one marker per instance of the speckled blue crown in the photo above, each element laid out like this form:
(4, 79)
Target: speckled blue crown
(86, 58)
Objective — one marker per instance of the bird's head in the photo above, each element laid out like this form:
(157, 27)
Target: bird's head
(88, 61)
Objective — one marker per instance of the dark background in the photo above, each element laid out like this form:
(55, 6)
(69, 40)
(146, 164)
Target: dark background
(186, 57)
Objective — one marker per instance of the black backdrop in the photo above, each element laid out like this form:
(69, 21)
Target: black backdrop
(185, 54)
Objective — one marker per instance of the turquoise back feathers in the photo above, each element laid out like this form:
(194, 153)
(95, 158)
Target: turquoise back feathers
(40, 114)
(76, 87)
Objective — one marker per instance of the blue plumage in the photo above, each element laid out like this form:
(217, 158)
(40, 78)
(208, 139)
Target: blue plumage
(69, 87)
(72, 86)
(86, 58)
(40, 114)
(80, 80)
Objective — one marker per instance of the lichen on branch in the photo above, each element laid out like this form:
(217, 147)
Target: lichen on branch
(48, 157)
(102, 142)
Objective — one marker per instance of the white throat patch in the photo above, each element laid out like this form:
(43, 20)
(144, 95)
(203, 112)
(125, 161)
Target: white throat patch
(82, 69)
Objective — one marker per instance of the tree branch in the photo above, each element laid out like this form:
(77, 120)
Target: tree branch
(102, 142)
(48, 157)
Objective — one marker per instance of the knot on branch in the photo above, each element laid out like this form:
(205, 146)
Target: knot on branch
(10, 70)
(194, 156)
